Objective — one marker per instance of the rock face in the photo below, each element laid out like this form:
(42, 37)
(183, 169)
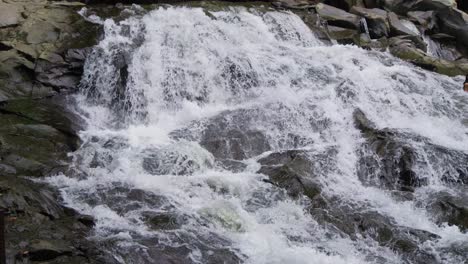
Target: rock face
(34, 58)
(42, 51)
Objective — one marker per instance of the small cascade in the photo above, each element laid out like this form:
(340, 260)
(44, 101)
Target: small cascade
(364, 27)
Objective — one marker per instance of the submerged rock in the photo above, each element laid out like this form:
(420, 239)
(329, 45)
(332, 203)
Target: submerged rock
(291, 170)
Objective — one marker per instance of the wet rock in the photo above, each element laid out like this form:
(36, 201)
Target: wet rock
(179, 159)
(376, 20)
(337, 17)
(387, 161)
(291, 170)
(450, 209)
(87, 220)
(407, 50)
(229, 136)
(162, 221)
(389, 157)
(362, 223)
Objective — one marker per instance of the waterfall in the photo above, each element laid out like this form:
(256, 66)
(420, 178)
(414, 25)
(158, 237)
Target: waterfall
(185, 106)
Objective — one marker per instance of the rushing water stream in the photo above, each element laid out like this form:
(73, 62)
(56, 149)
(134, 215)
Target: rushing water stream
(182, 104)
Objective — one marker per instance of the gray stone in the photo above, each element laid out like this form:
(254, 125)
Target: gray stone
(423, 18)
(337, 17)
(397, 28)
(10, 15)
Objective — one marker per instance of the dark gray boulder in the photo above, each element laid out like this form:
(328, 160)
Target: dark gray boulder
(454, 22)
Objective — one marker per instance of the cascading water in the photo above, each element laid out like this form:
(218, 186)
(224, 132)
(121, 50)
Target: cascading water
(186, 106)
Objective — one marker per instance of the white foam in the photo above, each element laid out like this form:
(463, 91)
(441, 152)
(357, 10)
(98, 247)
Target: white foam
(182, 73)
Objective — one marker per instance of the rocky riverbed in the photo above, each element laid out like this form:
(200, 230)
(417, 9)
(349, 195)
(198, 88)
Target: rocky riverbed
(43, 48)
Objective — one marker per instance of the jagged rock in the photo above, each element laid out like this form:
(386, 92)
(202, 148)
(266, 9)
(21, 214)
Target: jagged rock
(376, 20)
(337, 17)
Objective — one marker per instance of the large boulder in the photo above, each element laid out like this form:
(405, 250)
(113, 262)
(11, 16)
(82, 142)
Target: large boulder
(454, 22)
(376, 20)
(337, 17)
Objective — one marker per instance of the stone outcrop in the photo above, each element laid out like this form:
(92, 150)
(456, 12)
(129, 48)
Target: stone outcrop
(42, 52)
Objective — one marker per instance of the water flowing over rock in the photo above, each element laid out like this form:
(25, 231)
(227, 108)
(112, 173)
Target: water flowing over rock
(234, 135)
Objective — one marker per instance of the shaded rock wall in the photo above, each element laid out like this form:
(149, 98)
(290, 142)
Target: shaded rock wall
(42, 51)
